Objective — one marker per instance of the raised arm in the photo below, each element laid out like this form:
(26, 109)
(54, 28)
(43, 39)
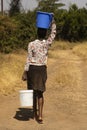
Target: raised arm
(53, 33)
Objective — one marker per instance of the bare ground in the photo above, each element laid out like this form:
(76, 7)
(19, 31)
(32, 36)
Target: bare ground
(65, 107)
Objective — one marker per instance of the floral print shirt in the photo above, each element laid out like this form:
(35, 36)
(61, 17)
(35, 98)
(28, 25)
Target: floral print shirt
(38, 50)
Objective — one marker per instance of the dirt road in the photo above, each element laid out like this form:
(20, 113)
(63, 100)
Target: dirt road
(65, 107)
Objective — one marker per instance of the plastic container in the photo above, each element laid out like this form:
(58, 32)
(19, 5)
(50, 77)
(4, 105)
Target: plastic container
(26, 98)
(43, 19)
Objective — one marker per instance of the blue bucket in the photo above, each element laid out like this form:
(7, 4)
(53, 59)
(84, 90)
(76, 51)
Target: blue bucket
(43, 19)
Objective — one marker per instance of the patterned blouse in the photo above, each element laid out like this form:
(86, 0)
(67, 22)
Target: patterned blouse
(38, 50)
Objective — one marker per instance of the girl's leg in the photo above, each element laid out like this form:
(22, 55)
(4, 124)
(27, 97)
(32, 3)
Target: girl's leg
(35, 104)
(40, 104)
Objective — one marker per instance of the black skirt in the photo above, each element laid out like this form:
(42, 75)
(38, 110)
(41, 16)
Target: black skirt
(37, 76)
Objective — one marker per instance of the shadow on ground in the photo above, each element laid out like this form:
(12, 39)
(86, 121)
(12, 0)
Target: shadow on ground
(24, 114)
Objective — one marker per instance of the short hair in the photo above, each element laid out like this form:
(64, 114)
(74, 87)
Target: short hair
(41, 32)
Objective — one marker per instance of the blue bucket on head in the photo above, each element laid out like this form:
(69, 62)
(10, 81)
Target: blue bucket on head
(43, 19)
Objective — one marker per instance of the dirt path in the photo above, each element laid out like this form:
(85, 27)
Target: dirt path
(65, 107)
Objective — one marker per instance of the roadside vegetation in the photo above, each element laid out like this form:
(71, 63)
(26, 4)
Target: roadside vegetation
(12, 67)
(81, 50)
(18, 28)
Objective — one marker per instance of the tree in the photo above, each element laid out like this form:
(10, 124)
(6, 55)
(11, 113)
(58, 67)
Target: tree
(75, 24)
(49, 5)
(15, 7)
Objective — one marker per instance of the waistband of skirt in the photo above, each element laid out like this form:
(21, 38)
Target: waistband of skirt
(37, 65)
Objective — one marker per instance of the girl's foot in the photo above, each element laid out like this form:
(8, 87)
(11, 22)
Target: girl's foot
(40, 120)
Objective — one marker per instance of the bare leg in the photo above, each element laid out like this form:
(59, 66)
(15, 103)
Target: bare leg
(38, 98)
(35, 104)
(40, 107)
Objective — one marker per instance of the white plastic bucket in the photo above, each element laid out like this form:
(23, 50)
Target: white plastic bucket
(26, 98)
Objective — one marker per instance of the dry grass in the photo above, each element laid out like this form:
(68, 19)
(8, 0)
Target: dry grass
(62, 45)
(59, 45)
(65, 74)
(81, 50)
(11, 69)
(68, 75)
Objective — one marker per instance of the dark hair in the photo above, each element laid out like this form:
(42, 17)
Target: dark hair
(41, 32)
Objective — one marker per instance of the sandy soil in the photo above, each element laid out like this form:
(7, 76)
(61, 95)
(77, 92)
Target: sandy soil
(65, 107)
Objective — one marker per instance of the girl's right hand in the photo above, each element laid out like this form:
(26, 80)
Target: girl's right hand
(24, 76)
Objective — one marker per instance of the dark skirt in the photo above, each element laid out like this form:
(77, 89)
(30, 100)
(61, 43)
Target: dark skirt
(37, 76)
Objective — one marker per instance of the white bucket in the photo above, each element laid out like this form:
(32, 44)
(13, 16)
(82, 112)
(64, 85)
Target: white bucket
(26, 98)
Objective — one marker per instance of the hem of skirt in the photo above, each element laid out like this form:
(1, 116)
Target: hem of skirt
(40, 90)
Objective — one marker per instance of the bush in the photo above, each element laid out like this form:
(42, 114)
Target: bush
(16, 32)
(7, 32)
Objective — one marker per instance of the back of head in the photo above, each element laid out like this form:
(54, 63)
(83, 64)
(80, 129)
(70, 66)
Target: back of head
(41, 32)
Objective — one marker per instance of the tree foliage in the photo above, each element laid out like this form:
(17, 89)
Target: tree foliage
(49, 5)
(7, 34)
(15, 7)
(17, 31)
(75, 24)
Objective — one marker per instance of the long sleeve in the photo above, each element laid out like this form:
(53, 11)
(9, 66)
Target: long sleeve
(29, 56)
(26, 67)
(37, 50)
(53, 33)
